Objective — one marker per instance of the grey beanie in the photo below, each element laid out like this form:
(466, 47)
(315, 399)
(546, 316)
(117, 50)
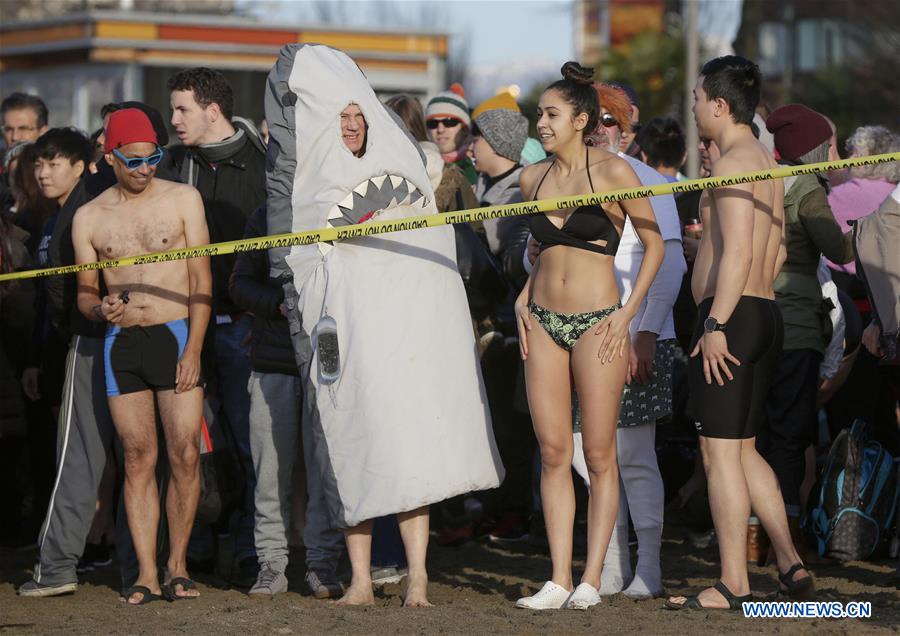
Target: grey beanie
(505, 130)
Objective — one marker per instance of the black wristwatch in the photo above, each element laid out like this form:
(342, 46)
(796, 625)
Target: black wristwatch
(711, 324)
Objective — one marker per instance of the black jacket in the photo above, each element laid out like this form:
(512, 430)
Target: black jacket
(253, 290)
(62, 294)
(231, 191)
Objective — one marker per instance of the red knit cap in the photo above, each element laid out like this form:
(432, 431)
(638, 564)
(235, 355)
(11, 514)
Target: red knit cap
(797, 130)
(128, 126)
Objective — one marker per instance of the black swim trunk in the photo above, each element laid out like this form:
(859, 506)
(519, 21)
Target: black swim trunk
(143, 357)
(737, 410)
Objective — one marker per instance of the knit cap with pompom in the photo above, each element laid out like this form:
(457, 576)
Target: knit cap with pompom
(449, 103)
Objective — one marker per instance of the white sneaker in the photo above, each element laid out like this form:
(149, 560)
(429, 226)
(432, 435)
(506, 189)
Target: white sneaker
(584, 596)
(551, 596)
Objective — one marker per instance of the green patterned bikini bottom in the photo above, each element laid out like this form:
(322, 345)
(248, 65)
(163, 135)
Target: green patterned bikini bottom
(566, 329)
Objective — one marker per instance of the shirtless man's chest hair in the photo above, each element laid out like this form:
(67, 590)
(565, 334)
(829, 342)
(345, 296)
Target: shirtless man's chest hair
(759, 232)
(155, 221)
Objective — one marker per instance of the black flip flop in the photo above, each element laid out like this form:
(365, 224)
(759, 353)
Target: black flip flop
(804, 589)
(148, 596)
(170, 593)
(693, 602)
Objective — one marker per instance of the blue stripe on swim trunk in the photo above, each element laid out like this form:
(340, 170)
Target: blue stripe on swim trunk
(112, 387)
(179, 329)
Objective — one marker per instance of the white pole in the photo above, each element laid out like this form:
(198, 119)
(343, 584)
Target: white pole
(690, 77)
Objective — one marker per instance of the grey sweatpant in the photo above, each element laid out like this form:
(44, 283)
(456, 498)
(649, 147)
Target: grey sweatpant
(275, 416)
(85, 436)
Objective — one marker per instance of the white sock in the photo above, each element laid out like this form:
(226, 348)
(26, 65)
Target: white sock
(617, 565)
(647, 581)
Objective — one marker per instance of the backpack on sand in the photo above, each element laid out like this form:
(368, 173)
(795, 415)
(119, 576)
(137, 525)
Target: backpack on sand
(854, 503)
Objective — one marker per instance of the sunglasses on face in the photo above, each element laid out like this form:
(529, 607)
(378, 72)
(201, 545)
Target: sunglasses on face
(608, 121)
(448, 123)
(133, 163)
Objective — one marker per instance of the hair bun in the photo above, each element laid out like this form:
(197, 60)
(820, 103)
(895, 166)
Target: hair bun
(575, 72)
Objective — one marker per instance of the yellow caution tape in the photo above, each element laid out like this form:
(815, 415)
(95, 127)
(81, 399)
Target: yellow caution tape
(462, 216)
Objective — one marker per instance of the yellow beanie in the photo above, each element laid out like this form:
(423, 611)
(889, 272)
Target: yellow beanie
(502, 101)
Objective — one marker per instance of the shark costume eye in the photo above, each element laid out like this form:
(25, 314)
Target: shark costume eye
(373, 196)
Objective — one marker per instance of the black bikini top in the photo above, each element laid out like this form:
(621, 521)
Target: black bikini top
(586, 223)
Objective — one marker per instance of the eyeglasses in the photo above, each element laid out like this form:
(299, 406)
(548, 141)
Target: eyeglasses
(636, 128)
(133, 163)
(608, 121)
(448, 123)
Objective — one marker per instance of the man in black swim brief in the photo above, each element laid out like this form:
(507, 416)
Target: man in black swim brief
(156, 315)
(739, 337)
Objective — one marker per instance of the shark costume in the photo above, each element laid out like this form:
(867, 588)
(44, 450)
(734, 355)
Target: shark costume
(405, 423)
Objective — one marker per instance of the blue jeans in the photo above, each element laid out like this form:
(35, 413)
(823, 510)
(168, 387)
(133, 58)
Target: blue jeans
(232, 401)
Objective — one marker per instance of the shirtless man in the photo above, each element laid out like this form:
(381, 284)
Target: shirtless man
(156, 317)
(739, 335)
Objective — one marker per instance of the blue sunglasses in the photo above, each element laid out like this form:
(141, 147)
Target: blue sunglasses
(133, 163)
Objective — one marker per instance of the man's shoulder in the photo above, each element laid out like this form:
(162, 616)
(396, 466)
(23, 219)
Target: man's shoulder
(173, 190)
(746, 156)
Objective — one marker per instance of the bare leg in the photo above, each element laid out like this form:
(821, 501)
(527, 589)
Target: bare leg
(547, 378)
(414, 531)
(359, 549)
(181, 414)
(765, 495)
(134, 417)
(599, 389)
(729, 502)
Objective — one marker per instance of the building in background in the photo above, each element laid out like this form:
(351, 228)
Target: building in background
(79, 62)
(834, 56)
(600, 24)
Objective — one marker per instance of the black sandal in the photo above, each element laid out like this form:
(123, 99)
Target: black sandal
(693, 602)
(805, 588)
(171, 594)
(147, 595)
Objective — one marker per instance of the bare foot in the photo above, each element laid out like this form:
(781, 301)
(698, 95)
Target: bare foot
(710, 598)
(184, 588)
(357, 594)
(417, 592)
(139, 596)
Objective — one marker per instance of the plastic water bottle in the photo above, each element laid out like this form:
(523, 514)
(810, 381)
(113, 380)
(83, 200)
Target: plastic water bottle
(327, 350)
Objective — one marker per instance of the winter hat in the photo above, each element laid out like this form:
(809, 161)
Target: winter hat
(797, 130)
(505, 130)
(128, 126)
(162, 135)
(449, 103)
(504, 101)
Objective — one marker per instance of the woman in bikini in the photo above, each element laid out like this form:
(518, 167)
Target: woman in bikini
(573, 331)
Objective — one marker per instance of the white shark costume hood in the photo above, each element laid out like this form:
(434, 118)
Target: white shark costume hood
(406, 422)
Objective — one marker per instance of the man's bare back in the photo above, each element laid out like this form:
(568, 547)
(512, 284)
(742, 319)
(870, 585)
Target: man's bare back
(766, 229)
(119, 226)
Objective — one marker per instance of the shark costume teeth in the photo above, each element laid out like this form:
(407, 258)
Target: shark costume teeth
(371, 197)
(406, 422)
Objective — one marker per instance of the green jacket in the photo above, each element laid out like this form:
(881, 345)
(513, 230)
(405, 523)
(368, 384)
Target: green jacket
(810, 232)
